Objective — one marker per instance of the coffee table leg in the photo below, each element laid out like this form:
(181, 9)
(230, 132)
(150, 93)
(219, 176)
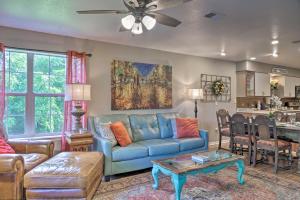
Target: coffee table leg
(241, 169)
(178, 181)
(155, 171)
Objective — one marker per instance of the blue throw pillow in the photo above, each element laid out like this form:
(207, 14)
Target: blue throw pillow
(164, 123)
(174, 128)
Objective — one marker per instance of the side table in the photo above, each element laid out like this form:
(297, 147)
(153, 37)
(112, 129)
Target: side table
(79, 141)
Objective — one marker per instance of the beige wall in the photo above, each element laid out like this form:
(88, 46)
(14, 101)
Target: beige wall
(186, 71)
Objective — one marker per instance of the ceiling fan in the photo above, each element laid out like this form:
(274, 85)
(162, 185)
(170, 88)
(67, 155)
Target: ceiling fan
(142, 13)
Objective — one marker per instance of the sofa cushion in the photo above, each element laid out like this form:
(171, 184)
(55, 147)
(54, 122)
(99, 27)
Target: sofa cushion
(32, 160)
(158, 147)
(130, 152)
(164, 123)
(114, 118)
(144, 127)
(186, 144)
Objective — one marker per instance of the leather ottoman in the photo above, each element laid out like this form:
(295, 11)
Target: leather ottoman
(68, 175)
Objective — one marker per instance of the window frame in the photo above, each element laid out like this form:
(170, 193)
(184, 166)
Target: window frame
(30, 95)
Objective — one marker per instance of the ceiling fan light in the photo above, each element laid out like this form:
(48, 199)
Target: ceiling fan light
(137, 28)
(128, 21)
(149, 22)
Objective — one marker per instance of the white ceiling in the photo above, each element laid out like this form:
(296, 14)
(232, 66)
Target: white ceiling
(244, 28)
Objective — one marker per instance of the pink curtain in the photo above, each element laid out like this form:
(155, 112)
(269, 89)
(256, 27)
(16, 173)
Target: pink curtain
(2, 81)
(76, 73)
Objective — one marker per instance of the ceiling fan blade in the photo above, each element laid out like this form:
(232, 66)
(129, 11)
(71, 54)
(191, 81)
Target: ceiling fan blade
(164, 4)
(102, 12)
(131, 4)
(165, 19)
(122, 29)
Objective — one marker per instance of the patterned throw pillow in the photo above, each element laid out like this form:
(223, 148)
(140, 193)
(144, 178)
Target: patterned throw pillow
(104, 130)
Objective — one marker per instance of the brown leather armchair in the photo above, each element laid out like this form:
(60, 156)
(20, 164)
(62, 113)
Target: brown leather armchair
(28, 155)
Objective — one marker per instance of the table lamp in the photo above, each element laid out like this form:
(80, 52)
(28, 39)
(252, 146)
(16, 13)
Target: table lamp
(195, 94)
(77, 92)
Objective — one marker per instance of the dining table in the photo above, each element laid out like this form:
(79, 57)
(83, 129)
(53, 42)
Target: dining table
(290, 131)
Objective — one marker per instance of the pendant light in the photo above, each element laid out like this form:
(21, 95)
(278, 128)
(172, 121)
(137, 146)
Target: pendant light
(149, 22)
(137, 28)
(128, 21)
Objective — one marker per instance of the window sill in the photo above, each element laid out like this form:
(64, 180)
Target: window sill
(46, 137)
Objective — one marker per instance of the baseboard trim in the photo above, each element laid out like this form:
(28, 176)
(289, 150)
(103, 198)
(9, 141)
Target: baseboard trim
(217, 142)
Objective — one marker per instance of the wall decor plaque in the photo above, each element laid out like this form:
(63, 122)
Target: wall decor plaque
(216, 88)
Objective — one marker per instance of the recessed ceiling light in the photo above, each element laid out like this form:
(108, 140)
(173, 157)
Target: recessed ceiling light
(275, 54)
(274, 42)
(252, 58)
(223, 54)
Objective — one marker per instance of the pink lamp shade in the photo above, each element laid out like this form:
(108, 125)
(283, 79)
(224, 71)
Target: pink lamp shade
(77, 92)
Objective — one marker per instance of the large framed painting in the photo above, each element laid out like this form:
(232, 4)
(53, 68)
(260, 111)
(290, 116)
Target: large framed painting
(140, 86)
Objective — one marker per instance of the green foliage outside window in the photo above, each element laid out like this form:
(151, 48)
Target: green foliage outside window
(48, 79)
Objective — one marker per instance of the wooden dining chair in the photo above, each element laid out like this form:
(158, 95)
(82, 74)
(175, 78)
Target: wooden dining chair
(297, 117)
(240, 134)
(265, 138)
(223, 119)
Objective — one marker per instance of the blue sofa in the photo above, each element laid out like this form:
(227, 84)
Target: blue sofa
(152, 137)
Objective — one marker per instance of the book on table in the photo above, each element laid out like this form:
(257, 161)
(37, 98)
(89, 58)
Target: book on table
(200, 158)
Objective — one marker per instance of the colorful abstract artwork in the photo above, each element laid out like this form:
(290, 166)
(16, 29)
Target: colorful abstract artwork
(140, 86)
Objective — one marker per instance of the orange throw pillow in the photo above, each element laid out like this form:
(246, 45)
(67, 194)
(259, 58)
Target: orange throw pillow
(187, 127)
(121, 134)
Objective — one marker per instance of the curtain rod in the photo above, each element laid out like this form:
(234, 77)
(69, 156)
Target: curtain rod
(25, 49)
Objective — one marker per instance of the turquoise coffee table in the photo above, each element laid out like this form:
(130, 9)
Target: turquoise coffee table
(179, 167)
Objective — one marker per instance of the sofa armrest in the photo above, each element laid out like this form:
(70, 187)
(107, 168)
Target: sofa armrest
(100, 144)
(103, 145)
(33, 146)
(204, 135)
(12, 170)
(11, 163)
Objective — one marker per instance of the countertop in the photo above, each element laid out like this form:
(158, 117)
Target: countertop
(262, 112)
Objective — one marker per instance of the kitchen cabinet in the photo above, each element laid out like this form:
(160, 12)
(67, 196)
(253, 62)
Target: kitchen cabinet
(253, 84)
(262, 84)
(287, 86)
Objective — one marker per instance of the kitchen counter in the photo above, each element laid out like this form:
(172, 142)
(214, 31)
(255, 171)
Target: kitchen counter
(251, 111)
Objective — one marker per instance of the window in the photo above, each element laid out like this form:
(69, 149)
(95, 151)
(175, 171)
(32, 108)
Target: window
(34, 93)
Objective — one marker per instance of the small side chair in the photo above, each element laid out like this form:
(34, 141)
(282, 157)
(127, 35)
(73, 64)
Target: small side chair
(223, 119)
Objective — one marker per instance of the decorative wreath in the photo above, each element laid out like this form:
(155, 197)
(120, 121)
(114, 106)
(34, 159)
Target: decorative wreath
(274, 85)
(218, 87)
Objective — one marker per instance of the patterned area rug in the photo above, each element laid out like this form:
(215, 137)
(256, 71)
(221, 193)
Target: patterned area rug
(221, 186)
